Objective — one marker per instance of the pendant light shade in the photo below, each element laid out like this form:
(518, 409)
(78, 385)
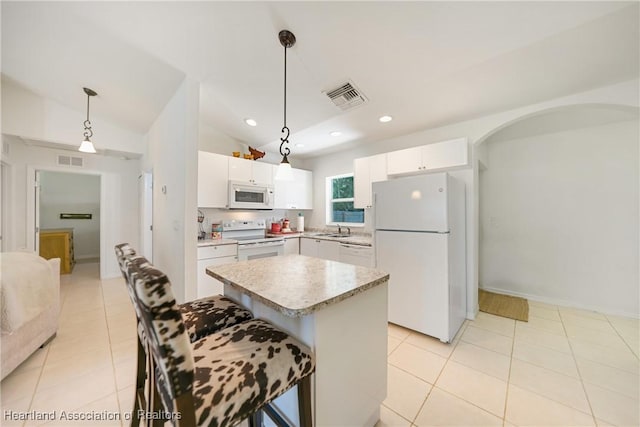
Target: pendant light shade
(87, 146)
(284, 173)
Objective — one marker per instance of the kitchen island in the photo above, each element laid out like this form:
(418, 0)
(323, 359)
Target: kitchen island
(340, 311)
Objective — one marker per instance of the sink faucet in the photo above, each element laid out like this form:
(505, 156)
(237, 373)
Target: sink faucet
(340, 230)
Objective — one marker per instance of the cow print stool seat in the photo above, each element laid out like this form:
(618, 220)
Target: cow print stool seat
(203, 316)
(225, 377)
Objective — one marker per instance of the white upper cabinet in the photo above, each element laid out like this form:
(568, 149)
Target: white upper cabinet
(250, 171)
(366, 171)
(294, 194)
(431, 157)
(212, 180)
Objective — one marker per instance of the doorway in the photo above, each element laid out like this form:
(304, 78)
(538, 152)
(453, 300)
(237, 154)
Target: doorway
(4, 207)
(68, 217)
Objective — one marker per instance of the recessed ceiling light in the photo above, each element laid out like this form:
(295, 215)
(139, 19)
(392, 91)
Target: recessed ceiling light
(299, 145)
(251, 122)
(335, 133)
(385, 119)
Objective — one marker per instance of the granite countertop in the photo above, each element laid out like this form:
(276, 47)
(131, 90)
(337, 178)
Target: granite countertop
(354, 239)
(297, 285)
(216, 242)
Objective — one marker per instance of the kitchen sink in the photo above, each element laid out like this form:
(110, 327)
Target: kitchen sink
(336, 235)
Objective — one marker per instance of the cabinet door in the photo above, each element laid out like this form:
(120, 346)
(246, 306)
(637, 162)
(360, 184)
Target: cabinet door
(366, 171)
(377, 169)
(309, 247)
(207, 285)
(240, 169)
(262, 173)
(328, 250)
(446, 154)
(404, 161)
(299, 192)
(280, 189)
(361, 183)
(292, 246)
(212, 180)
(295, 194)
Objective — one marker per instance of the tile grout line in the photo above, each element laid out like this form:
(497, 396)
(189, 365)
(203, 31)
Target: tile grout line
(506, 394)
(113, 366)
(584, 389)
(621, 337)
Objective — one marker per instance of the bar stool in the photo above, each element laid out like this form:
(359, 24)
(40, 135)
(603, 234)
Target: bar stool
(225, 377)
(202, 317)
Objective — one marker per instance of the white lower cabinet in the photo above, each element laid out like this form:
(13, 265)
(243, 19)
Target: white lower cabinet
(213, 256)
(357, 255)
(324, 249)
(292, 246)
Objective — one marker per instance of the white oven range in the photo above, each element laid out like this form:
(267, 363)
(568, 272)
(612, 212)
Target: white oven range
(252, 243)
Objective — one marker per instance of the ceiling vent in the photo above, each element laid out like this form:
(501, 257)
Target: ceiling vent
(70, 161)
(346, 96)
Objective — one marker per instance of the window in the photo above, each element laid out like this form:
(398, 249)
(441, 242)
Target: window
(340, 208)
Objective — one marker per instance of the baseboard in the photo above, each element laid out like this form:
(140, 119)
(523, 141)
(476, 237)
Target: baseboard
(563, 303)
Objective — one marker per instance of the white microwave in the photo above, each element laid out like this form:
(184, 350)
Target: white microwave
(249, 195)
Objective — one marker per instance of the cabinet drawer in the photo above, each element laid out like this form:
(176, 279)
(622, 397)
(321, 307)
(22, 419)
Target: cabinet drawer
(217, 251)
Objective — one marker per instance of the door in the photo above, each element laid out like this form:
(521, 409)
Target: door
(145, 185)
(36, 223)
(416, 203)
(4, 207)
(418, 281)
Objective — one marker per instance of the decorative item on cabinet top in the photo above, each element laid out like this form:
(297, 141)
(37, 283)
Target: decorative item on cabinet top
(257, 154)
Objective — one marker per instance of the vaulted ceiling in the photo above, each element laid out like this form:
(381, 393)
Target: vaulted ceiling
(424, 63)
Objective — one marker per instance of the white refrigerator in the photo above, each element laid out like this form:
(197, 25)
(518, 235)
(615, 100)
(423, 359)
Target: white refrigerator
(420, 241)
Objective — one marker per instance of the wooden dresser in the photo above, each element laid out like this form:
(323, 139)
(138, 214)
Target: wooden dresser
(58, 243)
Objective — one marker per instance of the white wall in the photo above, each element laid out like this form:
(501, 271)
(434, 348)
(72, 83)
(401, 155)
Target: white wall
(119, 197)
(559, 218)
(173, 157)
(72, 193)
(31, 116)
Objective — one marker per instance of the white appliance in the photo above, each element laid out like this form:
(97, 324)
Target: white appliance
(420, 241)
(250, 195)
(252, 243)
(357, 255)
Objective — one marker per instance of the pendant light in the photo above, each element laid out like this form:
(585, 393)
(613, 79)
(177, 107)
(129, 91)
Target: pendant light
(87, 145)
(284, 173)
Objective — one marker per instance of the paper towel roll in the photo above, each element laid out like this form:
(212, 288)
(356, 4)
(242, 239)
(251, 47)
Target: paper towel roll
(300, 224)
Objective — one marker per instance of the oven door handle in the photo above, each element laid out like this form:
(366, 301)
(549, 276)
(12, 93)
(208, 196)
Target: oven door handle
(261, 244)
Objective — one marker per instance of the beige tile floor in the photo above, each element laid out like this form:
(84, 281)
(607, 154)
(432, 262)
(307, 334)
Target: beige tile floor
(565, 367)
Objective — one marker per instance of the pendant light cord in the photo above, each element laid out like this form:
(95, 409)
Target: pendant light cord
(285, 151)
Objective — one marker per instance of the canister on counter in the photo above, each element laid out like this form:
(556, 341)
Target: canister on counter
(216, 231)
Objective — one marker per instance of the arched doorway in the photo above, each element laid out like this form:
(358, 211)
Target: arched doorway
(558, 207)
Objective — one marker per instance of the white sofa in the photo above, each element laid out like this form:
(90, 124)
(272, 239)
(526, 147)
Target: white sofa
(30, 305)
